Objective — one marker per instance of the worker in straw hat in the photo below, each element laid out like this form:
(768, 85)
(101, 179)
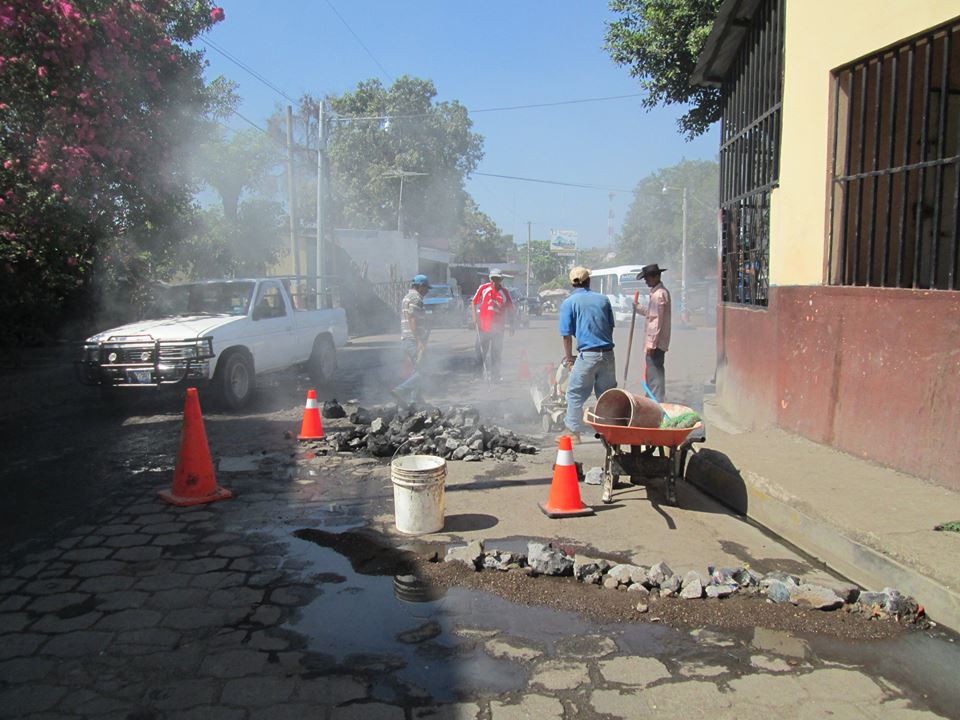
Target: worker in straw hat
(492, 309)
(588, 317)
(414, 332)
(657, 335)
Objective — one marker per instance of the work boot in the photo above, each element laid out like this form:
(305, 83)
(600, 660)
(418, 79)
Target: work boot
(574, 437)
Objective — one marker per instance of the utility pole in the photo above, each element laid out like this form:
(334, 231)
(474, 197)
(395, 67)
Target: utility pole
(291, 198)
(528, 257)
(683, 252)
(321, 150)
(683, 262)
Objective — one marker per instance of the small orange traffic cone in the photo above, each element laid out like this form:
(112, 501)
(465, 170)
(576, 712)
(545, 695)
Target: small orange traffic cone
(193, 480)
(523, 372)
(311, 428)
(564, 499)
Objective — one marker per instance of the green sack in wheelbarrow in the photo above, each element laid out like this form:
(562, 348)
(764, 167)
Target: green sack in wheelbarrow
(681, 421)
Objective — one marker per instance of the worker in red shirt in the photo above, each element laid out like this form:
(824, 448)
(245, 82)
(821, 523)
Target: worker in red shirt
(492, 308)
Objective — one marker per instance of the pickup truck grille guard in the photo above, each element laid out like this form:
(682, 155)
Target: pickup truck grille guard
(169, 361)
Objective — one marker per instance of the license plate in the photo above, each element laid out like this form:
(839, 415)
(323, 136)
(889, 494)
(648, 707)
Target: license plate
(139, 377)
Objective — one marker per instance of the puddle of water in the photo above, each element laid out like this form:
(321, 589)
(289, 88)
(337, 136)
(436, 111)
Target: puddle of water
(372, 616)
(415, 638)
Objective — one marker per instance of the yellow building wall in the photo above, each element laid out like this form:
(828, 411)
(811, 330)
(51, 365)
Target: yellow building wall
(822, 35)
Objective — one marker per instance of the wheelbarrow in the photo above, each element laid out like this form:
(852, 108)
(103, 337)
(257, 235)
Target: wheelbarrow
(644, 453)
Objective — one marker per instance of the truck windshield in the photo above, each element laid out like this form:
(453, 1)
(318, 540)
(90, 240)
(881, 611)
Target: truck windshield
(218, 298)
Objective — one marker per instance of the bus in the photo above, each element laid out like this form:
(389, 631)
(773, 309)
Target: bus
(619, 284)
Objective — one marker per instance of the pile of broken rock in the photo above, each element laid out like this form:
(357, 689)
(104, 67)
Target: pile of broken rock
(456, 434)
(660, 581)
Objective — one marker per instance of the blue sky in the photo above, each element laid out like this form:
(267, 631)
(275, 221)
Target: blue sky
(484, 54)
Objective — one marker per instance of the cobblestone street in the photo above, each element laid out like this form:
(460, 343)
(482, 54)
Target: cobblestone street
(142, 610)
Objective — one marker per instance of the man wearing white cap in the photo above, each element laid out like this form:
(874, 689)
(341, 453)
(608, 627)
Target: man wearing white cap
(492, 307)
(588, 317)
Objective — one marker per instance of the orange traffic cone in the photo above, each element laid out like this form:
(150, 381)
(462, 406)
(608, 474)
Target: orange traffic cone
(523, 372)
(564, 499)
(193, 480)
(311, 428)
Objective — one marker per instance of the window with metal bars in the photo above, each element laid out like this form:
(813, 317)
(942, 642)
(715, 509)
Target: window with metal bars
(750, 156)
(896, 166)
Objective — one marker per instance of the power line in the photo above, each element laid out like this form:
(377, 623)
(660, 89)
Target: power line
(559, 102)
(237, 61)
(505, 108)
(554, 182)
(357, 38)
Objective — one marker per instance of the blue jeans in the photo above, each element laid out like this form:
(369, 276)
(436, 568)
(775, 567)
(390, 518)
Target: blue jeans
(410, 388)
(592, 372)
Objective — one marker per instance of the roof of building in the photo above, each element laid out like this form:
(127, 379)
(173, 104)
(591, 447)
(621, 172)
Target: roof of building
(720, 50)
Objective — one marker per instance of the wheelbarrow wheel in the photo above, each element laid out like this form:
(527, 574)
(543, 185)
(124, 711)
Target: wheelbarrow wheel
(546, 422)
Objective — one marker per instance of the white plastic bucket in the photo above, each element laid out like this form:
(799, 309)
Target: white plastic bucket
(418, 482)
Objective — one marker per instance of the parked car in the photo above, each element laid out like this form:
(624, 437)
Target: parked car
(444, 305)
(217, 333)
(533, 305)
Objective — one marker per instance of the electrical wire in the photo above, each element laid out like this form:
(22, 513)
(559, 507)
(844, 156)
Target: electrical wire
(237, 61)
(357, 38)
(554, 182)
(505, 108)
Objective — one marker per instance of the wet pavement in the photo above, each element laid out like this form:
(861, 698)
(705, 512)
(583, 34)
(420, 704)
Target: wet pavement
(116, 605)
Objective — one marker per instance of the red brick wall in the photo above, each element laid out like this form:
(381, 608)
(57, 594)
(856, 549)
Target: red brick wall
(873, 372)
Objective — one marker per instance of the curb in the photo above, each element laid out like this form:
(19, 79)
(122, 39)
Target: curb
(776, 509)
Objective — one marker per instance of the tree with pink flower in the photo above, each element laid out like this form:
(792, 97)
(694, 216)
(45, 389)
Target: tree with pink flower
(100, 98)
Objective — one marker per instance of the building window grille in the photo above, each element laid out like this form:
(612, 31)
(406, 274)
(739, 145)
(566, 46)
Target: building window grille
(895, 180)
(750, 156)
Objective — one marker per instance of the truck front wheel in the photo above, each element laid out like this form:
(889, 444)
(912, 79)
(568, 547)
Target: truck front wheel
(323, 360)
(234, 380)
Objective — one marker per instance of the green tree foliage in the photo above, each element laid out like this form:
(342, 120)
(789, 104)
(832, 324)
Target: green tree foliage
(545, 266)
(659, 41)
(652, 228)
(367, 153)
(96, 98)
(244, 247)
(240, 163)
(479, 239)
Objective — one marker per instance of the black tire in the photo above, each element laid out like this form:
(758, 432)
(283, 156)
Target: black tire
(323, 360)
(234, 380)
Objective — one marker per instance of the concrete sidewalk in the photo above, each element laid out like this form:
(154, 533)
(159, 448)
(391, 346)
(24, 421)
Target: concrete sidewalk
(869, 523)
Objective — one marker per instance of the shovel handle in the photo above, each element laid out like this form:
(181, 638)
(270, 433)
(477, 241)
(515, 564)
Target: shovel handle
(633, 322)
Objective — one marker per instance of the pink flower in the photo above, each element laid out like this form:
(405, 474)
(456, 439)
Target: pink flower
(42, 71)
(42, 168)
(7, 164)
(56, 187)
(217, 14)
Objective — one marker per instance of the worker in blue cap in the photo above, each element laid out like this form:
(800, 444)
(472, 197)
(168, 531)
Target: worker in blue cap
(414, 332)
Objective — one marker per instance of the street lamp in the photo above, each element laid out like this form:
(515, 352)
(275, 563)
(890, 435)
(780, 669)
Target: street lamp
(401, 174)
(683, 252)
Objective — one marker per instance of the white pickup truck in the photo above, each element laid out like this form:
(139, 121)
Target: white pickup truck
(221, 333)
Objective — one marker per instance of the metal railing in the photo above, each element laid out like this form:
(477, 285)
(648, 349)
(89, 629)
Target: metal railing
(895, 190)
(750, 156)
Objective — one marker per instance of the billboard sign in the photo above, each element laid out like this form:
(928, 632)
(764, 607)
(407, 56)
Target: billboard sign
(563, 242)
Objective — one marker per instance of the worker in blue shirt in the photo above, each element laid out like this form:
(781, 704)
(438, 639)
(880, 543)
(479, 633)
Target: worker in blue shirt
(588, 317)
